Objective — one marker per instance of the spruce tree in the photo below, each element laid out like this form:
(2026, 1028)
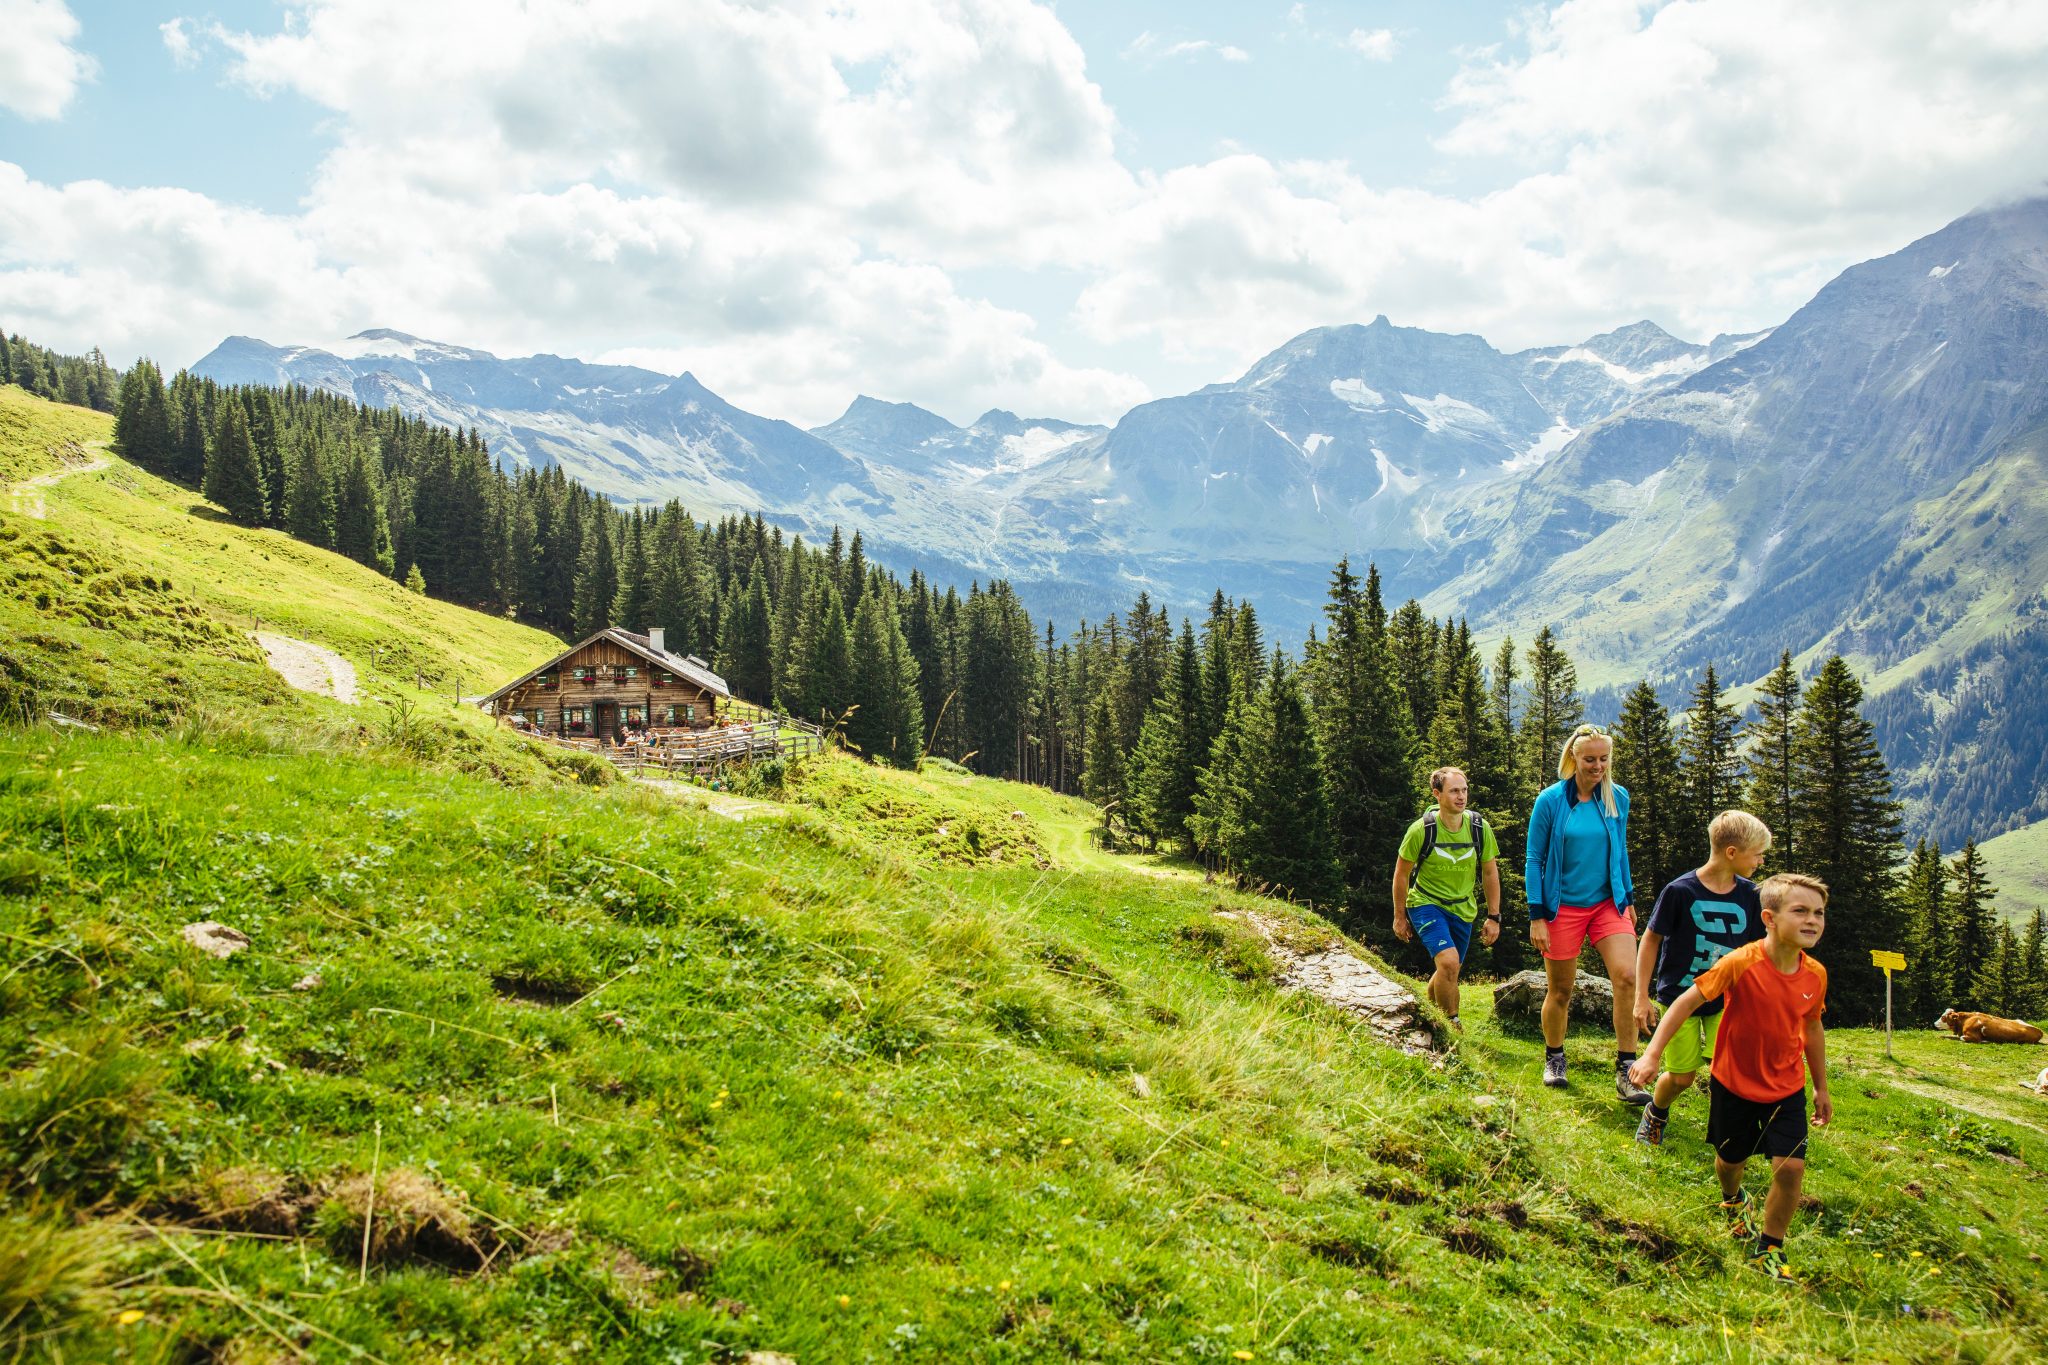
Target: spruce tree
(1769, 795)
(1284, 835)
(1663, 837)
(233, 478)
(1412, 639)
(1364, 738)
(310, 511)
(1976, 968)
(2034, 967)
(1708, 755)
(743, 645)
(633, 607)
(1929, 932)
(1846, 827)
(827, 659)
(142, 420)
(597, 576)
(1102, 780)
(1552, 710)
(1168, 759)
(888, 723)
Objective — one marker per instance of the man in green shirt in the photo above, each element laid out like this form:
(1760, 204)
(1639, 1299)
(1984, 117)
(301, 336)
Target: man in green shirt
(1447, 852)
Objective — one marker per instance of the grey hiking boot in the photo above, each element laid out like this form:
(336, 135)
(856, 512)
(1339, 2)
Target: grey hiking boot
(1650, 1132)
(1628, 1090)
(1553, 1070)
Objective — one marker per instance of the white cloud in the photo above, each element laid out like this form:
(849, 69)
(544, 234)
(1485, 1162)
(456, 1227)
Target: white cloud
(784, 198)
(1375, 45)
(178, 42)
(1149, 47)
(40, 68)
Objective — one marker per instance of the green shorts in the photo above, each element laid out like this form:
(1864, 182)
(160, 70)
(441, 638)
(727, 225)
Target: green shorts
(1693, 1045)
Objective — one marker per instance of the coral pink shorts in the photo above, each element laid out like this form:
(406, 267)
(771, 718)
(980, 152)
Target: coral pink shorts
(1577, 923)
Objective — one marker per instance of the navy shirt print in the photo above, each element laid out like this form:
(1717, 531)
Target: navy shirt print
(1700, 927)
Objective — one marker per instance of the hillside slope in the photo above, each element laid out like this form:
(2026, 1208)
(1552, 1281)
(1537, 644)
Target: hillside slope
(513, 1072)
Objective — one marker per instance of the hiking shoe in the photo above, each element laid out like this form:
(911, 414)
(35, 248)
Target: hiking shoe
(1741, 1225)
(1771, 1261)
(1628, 1090)
(1650, 1132)
(1553, 1070)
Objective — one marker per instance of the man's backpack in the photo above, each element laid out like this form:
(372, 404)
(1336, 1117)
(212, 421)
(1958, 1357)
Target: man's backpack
(1475, 824)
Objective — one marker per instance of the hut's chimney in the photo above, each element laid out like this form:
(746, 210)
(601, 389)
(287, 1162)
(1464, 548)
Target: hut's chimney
(655, 637)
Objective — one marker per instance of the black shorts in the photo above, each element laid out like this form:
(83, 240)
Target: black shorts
(1740, 1129)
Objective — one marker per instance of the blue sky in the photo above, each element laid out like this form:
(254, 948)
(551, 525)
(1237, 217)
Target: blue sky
(1062, 209)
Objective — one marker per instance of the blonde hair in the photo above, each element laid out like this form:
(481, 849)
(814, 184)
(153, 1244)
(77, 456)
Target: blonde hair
(1777, 888)
(1443, 775)
(1738, 829)
(1568, 764)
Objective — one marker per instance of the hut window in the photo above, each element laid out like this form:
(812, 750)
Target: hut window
(668, 715)
(689, 715)
(631, 671)
(636, 715)
(536, 717)
(576, 718)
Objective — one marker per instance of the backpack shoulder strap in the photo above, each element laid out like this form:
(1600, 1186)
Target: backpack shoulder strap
(1428, 836)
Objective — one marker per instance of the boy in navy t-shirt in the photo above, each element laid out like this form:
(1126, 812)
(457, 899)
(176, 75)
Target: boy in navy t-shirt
(1699, 919)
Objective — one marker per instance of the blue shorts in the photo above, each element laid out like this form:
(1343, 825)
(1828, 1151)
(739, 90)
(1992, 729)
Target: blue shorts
(1439, 929)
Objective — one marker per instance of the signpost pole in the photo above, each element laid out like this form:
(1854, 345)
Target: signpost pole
(1890, 962)
(1888, 1014)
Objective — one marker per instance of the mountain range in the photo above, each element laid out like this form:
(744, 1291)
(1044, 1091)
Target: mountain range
(1865, 477)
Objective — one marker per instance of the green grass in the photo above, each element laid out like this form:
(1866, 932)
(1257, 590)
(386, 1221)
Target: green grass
(592, 1071)
(2017, 862)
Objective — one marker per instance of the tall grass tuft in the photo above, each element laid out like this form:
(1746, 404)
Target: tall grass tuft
(53, 1279)
(65, 1126)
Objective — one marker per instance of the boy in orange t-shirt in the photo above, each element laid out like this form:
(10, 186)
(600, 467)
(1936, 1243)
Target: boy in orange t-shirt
(1771, 1036)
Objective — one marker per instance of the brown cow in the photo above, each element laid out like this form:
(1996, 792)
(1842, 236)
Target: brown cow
(1973, 1027)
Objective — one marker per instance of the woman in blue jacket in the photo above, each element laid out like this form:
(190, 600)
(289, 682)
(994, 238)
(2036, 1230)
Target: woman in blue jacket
(1579, 888)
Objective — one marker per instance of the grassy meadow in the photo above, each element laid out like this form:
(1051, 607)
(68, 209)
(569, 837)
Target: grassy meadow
(521, 1064)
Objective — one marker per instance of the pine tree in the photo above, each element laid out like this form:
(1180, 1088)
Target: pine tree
(1976, 971)
(1102, 780)
(1846, 827)
(1708, 756)
(1364, 736)
(2034, 967)
(743, 645)
(310, 510)
(142, 420)
(1412, 639)
(597, 577)
(633, 607)
(1000, 657)
(1553, 710)
(886, 725)
(360, 530)
(827, 659)
(1929, 932)
(1168, 759)
(1284, 834)
(1769, 794)
(414, 582)
(2006, 982)
(233, 478)
(1663, 837)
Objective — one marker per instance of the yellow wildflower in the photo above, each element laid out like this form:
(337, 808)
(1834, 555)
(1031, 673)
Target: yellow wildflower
(1066, 1142)
(130, 1317)
(718, 1104)
(1240, 1355)
(846, 1300)
(1004, 1286)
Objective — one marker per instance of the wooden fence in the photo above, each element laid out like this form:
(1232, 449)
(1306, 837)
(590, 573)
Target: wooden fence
(749, 734)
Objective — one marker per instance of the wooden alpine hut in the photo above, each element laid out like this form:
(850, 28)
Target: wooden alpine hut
(613, 687)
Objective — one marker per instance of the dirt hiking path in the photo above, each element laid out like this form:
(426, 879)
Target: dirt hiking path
(26, 497)
(735, 808)
(310, 667)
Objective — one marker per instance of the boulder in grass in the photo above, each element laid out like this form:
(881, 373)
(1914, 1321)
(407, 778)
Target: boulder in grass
(214, 938)
(1518, 1001)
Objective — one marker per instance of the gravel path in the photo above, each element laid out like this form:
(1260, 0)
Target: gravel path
(310, 667)
(26, 497)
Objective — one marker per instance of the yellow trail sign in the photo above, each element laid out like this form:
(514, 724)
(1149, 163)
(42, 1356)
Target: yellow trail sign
(1891, 962)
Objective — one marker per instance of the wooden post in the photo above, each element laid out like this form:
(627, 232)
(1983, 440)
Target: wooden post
(1890, 962)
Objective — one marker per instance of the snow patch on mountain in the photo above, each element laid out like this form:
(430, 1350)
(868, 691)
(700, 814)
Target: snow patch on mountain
(1541, 449)
(1940, 271)
(1445, 413)
(1316, 441)
(1357, 393)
